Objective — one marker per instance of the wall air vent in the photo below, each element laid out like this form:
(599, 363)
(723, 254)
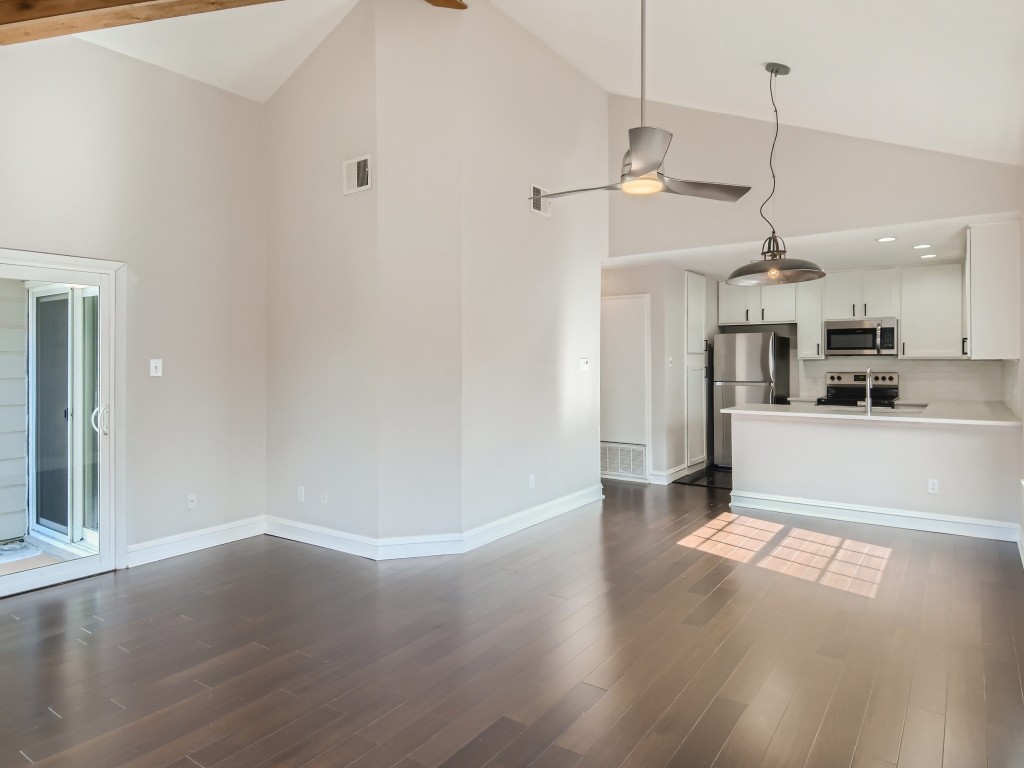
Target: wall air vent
(624, 460)
(357, 175)
(543, 207)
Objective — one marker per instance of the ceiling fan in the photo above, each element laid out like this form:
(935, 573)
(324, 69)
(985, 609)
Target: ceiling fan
(641, 166)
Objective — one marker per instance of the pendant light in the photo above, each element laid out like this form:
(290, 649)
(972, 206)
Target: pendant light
(775, 268)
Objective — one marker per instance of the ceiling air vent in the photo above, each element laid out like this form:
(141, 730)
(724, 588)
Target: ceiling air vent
(543, 207)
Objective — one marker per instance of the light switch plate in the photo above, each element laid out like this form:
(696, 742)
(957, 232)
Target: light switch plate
(584, 363)
(156, 367)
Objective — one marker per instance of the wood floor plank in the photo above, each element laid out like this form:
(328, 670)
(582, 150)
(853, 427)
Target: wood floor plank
(589, 641)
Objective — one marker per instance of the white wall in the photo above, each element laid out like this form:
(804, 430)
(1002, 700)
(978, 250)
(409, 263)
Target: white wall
(826, 182)
(424, 336)
(530, 285)
(13, 405)
(120, 160)
(322, 306)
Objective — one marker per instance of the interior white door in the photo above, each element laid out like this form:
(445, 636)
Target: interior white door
(696, 411)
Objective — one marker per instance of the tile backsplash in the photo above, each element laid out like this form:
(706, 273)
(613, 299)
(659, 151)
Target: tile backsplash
(920, 380)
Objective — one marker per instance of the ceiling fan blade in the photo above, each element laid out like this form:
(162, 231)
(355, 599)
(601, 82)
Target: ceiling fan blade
(647, 150)
(551, 195)
(457, 4)
(728, 193)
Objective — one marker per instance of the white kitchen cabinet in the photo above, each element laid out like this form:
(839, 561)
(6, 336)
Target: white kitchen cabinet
(778, 304)
(862, 293)
(880, 295)
(843, 291)
(696, 313)
(992, 294)
(931, 312)
(696, 410)
(749, 305)
(810, 334)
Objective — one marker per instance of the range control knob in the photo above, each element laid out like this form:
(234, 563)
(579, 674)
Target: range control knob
(839, 378)
(890, 378)
(876, 378)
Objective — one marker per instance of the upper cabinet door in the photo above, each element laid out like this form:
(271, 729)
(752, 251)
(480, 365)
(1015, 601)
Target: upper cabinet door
(696, 313)
(843, 295)
(880, 294)
(778, 304)
(993, 291)
(732, 304)
(931, 321)
(810, 341)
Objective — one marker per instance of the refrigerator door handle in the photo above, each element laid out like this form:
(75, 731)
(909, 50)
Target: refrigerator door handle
(771, 363)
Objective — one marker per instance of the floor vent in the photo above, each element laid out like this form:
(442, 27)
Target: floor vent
(624, 460)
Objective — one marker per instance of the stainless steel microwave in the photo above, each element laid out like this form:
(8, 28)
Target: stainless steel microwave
(871, 336)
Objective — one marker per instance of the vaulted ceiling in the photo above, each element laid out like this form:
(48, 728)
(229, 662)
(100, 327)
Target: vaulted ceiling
(945, 75)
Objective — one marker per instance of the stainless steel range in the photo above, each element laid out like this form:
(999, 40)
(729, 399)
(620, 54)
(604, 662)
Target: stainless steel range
(850, 388)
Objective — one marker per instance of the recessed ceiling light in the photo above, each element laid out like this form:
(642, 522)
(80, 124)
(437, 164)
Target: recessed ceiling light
(927, 255)
(886, 239)
(921, 247)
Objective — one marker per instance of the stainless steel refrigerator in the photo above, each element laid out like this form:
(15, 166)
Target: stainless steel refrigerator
(747, 368)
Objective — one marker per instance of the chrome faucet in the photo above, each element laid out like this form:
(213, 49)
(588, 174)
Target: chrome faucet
(867, 399)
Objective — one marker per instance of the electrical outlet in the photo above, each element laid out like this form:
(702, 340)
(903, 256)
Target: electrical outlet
(584, 363)
(323, 498)
(933, 486)
(533, 481)
(192, 501)
(156, 367)
(670, 362)
(301, 493)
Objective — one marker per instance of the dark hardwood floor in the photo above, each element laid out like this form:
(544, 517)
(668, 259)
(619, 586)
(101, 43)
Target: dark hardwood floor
(596, 639)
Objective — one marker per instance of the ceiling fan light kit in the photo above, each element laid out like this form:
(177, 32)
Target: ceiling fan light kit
(641, 167)
(775, 268)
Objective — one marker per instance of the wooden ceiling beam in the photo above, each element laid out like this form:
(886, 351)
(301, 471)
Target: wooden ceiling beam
(24, 20)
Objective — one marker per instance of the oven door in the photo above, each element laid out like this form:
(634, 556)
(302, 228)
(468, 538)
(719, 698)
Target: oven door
(851, 338)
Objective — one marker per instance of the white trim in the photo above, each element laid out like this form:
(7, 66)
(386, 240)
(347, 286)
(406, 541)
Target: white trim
(626, 478)
(893, 518)
(667, 478)
(485, 534)
(426, 546)
(193, 541)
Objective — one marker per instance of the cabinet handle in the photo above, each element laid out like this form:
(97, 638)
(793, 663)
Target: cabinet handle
(705, 345)
(705, 371)
(963, 346)
(817, 348)
(904, 347)
(762, 313)
(748, 315)
(865, 310)
(853, 310)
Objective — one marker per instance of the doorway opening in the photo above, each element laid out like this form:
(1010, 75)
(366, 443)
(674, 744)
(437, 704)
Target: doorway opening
(57, 484)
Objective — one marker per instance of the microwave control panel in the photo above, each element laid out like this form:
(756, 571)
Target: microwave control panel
(888, 337)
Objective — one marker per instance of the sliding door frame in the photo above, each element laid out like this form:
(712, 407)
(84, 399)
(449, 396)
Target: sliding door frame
(111, 279)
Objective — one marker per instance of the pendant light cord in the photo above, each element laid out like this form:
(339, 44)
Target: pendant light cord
(771, 155)
(643, 63)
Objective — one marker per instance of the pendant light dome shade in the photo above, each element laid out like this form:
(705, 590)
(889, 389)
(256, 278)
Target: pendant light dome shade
(776, 268)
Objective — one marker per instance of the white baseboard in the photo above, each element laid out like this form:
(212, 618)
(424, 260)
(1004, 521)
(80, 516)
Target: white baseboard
(193, 541)
(425, 546)
(893, 518)
(666, 478)
(485, 534)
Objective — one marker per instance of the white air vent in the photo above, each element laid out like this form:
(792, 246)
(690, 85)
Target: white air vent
(357, 174)
(543, 207)
(624, 460)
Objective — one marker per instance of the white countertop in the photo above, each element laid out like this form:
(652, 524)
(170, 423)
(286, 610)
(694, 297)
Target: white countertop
(960, 413)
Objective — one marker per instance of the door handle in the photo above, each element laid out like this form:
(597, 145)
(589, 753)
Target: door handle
(92, 419)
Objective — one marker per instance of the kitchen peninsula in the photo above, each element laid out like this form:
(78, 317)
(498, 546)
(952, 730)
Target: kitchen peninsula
(950, 467)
